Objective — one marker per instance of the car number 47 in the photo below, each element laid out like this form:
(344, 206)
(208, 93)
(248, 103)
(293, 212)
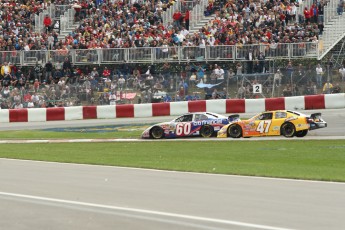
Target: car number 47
(264, 126)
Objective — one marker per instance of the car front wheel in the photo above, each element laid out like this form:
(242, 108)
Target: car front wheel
(235, 131)
(157, 132)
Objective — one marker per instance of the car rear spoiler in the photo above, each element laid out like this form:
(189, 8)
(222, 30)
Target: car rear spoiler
(234, 117)
(315, 116)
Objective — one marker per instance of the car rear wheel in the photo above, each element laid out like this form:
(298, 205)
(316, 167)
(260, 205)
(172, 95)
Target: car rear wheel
(288, 130)
(235, 131)
(302, 133)
(206, 131)
(157, 132)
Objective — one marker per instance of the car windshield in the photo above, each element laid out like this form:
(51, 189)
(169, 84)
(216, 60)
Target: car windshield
(184, 118)
(262, 116)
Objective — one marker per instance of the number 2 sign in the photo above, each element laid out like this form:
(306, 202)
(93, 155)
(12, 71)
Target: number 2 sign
(257, 88)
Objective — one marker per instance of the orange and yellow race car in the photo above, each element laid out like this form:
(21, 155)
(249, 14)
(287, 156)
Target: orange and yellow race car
(272, 123)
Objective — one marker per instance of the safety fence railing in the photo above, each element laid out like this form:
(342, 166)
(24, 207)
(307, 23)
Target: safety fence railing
(163, 54)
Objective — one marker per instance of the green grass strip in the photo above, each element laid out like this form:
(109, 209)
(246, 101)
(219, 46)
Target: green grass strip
(312, 160)
(42, 134)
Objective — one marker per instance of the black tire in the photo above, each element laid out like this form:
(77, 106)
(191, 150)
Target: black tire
(302, 133)
(235, 131)
(157, 132)
(288, 130)
(207, 131)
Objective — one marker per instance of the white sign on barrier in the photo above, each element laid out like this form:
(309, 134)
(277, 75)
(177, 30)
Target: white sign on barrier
(257, 88)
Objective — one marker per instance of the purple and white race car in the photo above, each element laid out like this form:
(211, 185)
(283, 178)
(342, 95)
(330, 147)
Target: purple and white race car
(202, 124)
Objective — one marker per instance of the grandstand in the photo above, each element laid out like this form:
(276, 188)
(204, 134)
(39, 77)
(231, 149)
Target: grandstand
(111, 31)
(141, 33)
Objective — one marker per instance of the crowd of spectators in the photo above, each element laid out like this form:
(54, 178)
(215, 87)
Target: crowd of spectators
(65, 85)
(115, 24)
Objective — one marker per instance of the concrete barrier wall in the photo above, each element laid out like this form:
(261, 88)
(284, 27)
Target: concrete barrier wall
(322, 101)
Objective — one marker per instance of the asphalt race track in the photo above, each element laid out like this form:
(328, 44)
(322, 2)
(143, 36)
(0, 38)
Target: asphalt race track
(40, 195)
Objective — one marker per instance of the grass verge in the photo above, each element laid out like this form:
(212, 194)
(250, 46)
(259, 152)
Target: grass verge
(313, 160)
(43, 134)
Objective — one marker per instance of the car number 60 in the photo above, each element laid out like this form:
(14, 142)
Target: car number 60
(183, 128)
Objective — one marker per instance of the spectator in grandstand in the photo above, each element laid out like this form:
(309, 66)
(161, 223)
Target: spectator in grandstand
(67, 65)
(219, 72)
(250, 61)
(241, 92)
(277, 78)
(340, 7)
(5, 69)
(48, 69)
(336, 88)
(307, 15)
(327, 88)
(342, 73)
(121, 82)
(106, 72)
(47, 22)
(319, 73)
(314, 13)
(178, 18)
(38, 71)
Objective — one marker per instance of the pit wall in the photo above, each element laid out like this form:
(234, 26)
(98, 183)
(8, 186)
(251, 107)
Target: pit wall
(322, 101)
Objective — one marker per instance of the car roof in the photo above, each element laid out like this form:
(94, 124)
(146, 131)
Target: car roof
(205, 113)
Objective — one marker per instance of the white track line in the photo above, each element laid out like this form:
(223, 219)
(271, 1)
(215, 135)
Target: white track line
(177, 139)
(143, 211)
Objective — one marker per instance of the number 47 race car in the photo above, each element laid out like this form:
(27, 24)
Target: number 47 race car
(202, 124)
(273, 123)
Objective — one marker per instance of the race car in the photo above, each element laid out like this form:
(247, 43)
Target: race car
(204, 124)
(273, 123)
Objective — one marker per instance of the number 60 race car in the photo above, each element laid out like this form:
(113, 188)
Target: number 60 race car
(273, 123)
(191, 124)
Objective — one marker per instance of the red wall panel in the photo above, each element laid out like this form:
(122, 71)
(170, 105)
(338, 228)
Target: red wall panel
(235, 106)
(196, 106)
(275, 104)
(89, 112)
(160, 109)
(125, 110)
(314, 102)
(18, 115)
(56, 114)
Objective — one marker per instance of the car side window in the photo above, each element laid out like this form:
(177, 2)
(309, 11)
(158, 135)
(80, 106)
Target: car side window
(185, 118)
(188, 117)
(200, 117)
(265, 116)
(280, 115)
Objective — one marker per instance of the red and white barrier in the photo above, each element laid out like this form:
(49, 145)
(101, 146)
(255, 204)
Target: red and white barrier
(323, 101)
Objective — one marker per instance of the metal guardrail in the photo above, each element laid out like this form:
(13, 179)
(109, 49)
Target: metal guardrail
(161, 54)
